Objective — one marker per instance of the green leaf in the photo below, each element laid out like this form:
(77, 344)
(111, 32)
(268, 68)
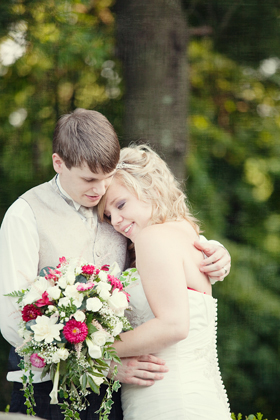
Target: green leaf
(93, 385)
(45, 271)
(116, 386)
(91, 329)
(84, 381)
(29, 324)
(18, 294)
(80, 279)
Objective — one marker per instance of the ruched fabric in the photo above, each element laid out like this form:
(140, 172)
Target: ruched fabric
(193, 387)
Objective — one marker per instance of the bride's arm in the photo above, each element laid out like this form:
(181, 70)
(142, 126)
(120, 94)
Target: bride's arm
(163, 278)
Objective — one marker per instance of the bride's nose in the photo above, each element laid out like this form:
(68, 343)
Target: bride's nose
(116, 219)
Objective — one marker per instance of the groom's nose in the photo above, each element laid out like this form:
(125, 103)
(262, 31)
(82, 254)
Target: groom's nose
(101, 187)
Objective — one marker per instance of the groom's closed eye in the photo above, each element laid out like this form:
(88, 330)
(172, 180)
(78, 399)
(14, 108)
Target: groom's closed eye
(107, 217)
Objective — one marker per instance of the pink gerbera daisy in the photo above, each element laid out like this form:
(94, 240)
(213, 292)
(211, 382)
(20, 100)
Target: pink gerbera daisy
(85, 286)
(37, 361)
(75, 331)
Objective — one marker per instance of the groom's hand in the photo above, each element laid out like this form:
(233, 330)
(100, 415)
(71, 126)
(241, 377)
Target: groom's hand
(218, 261)
(140, 370)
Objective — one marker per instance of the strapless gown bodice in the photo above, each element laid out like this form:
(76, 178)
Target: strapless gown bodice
(193, 387)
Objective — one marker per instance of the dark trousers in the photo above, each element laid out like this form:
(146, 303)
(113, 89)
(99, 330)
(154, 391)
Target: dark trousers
(48, 411)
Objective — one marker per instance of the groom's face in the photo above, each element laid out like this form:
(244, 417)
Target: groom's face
(84, 186)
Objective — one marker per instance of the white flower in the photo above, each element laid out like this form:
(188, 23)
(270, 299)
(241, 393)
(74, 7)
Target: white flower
(54, 391)
(60, 354)
(51, 308)
(103, 276)
(118, 302)
(63, 353)
(55, 358)
(21, 331)
(114, 269)
(94, 350)
(103, 289)
(72, 292)
(54, 292)
(64, 301)
(97, 379)
(62, 282)
(99, 337)
(36, 291)
(117, 329)
(79, 316)
(70, 278)
(27, 335)
(46, 329)
(94, 304)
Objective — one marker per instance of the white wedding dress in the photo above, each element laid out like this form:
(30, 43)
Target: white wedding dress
(193, 387)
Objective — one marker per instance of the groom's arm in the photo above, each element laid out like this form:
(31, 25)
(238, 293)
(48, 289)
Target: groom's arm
(218, 262)
(19, 256)
(140, 370)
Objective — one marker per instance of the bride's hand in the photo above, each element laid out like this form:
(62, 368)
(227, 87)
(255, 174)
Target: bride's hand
(141, 370)
(218, 261)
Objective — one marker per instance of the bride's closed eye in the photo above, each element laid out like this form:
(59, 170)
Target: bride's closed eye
(120, 206)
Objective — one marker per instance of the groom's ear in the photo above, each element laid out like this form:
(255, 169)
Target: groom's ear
(57, 163)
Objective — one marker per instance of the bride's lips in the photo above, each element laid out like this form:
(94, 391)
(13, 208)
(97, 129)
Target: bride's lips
(127, 230)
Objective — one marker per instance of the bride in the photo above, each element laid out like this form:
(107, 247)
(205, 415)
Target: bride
(173, 311)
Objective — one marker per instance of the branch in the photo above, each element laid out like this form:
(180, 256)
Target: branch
(201, 31)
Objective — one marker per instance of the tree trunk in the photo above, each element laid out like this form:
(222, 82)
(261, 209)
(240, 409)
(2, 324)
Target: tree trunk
(151, 42)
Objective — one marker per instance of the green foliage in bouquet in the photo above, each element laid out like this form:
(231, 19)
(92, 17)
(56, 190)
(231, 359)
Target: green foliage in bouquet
(71, 315)
(258, 416)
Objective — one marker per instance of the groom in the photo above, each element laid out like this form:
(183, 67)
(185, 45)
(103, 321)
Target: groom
(59, 218)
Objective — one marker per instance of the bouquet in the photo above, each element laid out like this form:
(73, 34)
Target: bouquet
(71, 315)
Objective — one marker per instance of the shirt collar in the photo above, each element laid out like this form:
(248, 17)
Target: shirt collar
(64, 193)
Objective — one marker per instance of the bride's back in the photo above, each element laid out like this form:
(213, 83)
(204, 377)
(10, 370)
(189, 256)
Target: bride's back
(178, 237)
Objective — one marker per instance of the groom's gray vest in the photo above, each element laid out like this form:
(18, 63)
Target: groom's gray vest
(62, 233)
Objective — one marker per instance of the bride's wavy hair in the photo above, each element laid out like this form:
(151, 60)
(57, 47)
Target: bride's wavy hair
(147, 176)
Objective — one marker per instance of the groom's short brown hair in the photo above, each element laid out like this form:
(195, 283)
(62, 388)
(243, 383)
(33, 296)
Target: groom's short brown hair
(86, 136)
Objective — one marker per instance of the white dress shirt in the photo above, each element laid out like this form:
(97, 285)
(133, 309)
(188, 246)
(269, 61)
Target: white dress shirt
(19, 259)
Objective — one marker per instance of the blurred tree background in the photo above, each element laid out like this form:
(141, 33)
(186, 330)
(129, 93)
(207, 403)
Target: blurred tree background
(200, 81)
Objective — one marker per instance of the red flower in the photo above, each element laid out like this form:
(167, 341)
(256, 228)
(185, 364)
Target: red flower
(105, 267)
(44, 301)
(88, 269)
(127, 295)
(115, 282)
(37, 361)
(53, 275)
(30, 312)
(62, 261)
(75, 331)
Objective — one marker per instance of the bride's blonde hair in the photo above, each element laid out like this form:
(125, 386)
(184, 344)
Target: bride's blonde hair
(147, 176)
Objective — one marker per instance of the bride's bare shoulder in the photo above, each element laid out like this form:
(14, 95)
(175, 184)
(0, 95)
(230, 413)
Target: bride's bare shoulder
(171, 232)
